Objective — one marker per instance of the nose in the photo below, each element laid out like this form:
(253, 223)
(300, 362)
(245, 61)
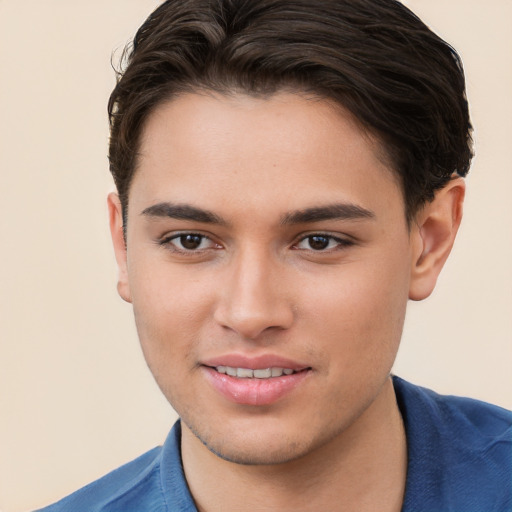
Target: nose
(254, 299)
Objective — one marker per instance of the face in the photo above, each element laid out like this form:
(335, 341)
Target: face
(268, 262)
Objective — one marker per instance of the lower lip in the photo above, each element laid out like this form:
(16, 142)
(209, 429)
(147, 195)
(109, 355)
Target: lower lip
(254, 391)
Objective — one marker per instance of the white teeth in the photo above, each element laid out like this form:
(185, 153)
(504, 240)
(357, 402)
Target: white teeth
(244, 373)
(247, 373)
(263, 374)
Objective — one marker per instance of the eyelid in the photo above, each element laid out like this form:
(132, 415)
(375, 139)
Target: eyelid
(343, 241)
(167, 239)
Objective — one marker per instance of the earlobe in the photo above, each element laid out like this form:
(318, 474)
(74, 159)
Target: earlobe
(116, 230)
(434, 234)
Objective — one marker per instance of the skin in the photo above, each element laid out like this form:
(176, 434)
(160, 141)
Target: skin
(257, 285)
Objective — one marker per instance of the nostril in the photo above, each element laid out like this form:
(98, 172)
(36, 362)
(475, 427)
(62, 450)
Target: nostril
(250, 323)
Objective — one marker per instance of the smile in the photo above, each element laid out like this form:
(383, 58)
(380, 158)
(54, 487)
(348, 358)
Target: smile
(247, 373)
(257, 387)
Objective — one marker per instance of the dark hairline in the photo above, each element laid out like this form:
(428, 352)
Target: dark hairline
(381, 93)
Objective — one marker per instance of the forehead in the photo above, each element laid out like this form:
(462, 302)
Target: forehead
(285, 150)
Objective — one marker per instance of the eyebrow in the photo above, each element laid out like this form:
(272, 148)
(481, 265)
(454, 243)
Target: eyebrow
(337, 211)
(183, 212)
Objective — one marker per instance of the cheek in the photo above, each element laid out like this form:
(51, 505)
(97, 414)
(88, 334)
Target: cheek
(360, 311)
(170, 311)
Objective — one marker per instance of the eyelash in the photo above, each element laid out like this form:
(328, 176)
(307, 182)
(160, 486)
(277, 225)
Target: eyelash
(168, 242)
(341, 243)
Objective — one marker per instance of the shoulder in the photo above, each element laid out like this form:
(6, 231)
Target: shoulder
(470, 419)
(460, 450)
(132, 484)
(154, 482)
(472, 416)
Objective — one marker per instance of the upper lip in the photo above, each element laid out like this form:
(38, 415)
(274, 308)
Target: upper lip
(254, 362)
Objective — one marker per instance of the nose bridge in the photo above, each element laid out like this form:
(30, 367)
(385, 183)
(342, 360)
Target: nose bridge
(254, 297)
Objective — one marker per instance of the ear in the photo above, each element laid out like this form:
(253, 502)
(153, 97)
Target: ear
(115, 214)
(436, 226)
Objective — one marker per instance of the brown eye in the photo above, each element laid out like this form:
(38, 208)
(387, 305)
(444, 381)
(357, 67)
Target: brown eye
(188, 243)
(191, 242)
(318, 243)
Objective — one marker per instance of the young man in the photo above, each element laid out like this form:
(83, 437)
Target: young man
(289, 175)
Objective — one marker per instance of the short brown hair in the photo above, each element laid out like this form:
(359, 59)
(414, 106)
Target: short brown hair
(403, 83)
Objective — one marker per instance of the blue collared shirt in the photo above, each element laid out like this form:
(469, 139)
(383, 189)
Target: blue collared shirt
(459, 460)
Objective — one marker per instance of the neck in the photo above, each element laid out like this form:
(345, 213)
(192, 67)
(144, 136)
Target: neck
(361, 469)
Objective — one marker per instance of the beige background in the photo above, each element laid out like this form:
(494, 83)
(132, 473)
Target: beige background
(76, 399)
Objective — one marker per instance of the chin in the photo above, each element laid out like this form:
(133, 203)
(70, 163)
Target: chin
(256, 448)
(257, 456)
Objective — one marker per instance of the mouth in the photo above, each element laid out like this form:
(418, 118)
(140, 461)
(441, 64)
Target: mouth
(256, 384)
(261, 373)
